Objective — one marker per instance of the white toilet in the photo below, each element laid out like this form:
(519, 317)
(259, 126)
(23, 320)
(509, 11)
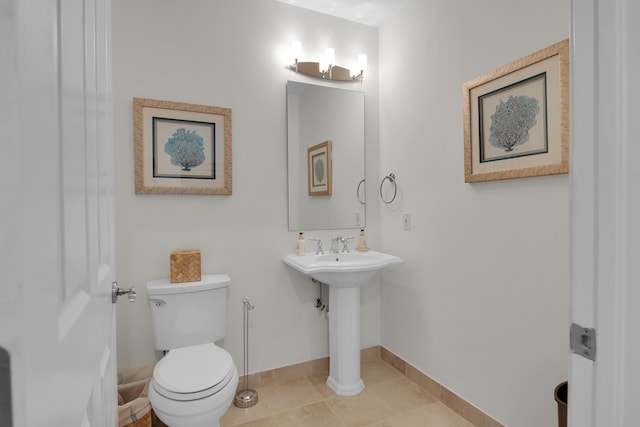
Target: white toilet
(194, 384)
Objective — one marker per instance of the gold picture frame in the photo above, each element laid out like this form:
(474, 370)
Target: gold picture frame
(320, 170)
(181, 148)
(516, 118)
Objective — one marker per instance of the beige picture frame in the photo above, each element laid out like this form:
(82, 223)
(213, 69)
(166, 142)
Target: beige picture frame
(319, 169)
(181, 148)
(516, 118)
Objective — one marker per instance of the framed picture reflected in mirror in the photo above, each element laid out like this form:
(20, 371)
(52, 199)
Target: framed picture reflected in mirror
(319, 166)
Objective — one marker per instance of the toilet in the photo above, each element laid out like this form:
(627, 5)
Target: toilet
(195, 382)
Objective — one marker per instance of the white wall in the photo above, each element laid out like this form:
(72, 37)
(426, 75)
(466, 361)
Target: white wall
(481, 303)
(229, 53)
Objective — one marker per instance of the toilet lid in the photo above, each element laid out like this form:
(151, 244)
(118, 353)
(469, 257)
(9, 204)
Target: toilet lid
(194, 369)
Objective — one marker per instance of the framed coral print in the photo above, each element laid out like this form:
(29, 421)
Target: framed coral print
(181, 148)
(319, 166)
(516, 118)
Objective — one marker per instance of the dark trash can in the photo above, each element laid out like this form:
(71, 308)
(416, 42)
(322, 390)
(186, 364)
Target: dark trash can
(561, 394)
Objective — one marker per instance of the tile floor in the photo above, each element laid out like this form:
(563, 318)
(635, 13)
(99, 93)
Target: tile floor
(389, 400)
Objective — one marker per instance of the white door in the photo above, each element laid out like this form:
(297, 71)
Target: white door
(605, 176)
(56, 207)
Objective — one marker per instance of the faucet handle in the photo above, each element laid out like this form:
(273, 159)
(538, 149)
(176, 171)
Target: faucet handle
(345, 242)
(319, 251)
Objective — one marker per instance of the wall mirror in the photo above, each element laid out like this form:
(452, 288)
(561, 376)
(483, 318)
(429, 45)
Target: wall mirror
(325, 135)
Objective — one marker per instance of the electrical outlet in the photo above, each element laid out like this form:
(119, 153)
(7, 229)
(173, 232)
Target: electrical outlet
(357, 219)
(406, 221)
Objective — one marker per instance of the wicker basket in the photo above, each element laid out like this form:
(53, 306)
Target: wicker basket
(134, 408)
(185, 266)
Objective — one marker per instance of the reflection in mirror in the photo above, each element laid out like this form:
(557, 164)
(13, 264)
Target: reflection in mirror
(316, 114)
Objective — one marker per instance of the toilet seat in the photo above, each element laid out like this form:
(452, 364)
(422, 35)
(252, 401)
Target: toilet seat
(194, 372)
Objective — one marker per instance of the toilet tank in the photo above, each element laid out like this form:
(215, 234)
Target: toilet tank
(185, 314)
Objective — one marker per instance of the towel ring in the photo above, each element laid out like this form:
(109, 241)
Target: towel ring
(392, 179)
(358, 191)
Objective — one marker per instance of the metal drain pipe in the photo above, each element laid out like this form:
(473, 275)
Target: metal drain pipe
(318, 302)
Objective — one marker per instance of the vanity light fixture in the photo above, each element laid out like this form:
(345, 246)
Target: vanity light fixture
(326, 70)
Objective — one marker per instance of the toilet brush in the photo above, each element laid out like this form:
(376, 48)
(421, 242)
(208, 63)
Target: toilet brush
(246, 398)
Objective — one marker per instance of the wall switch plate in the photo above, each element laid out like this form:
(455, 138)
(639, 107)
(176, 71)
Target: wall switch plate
(406, 221)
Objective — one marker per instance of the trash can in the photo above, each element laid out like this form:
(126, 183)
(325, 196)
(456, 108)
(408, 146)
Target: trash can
(134, 408)
(561, 394)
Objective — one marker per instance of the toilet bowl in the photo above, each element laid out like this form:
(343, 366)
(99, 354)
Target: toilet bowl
(193, 386)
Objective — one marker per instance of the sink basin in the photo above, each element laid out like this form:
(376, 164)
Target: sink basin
(345, 273)
(345, 269)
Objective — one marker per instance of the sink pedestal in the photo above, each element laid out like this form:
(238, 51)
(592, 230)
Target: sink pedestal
(344, 341)
(344, 273)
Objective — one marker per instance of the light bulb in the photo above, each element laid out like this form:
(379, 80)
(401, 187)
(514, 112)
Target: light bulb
(362, 61)
(296, 49)
(330, 56)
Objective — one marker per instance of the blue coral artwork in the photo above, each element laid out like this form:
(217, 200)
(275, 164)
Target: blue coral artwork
(186, 149)
(513, 121)
(183, 149)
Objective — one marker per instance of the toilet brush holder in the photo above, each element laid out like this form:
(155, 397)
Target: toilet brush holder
(246, 398)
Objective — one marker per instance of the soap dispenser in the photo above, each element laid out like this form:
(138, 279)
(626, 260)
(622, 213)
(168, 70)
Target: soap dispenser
(362, 242)
(300, 245)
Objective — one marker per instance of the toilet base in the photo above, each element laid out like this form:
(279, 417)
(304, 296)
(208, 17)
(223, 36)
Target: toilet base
(170, 421)
(204, 412)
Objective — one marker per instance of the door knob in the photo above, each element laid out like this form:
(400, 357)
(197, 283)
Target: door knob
(116, 292)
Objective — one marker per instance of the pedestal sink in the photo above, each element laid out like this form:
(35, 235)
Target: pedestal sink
(344, 273)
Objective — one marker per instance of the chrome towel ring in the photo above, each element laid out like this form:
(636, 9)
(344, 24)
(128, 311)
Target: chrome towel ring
(358, 191)
(392, 179)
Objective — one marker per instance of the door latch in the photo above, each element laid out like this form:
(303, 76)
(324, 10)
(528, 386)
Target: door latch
(583, 341)
(117, 292)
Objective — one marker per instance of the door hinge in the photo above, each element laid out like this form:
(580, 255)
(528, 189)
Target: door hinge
(583, 341)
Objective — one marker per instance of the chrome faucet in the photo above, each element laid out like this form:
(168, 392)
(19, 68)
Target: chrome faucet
(335, 242)
(334, 245)
(319, 251)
